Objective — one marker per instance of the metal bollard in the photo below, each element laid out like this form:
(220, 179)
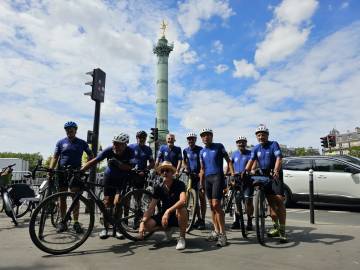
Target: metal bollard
(311, 196)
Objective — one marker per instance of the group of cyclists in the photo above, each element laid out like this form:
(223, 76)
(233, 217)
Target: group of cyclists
(203, 164)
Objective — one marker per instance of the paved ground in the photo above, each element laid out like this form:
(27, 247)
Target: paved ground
(332, 243)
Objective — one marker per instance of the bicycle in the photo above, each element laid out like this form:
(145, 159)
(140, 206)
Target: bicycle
(56, 242)
(261, 206)
(192, 199)
(235, 190)
(5, 180)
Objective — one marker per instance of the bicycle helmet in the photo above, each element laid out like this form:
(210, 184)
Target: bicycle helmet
(191, 135)
(141, 133)
(261, 128)
(70, 124)
(121, 138)
(241, 138)
(206, 130)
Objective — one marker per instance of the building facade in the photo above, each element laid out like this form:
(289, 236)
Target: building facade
(344, 141)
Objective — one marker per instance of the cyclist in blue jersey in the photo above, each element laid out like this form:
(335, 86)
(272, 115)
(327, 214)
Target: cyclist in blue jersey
(212, 180)
(120, 161)
(191, 161)
(240, 158)
(171, 153)
(68, 152)
(143, 158)
(269, 158)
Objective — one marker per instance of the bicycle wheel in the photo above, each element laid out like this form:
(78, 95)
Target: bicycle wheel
(132, 208)
(260, 214)
(51, 240)
(21, 208)
(240, 211)
(191, 206)
(8, 207)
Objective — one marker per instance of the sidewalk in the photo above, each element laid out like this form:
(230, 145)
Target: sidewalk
(319, 246)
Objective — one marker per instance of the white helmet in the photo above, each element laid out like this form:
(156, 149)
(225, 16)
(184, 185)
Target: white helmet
(191, 135)
(261, 128)
(121, 138)
(241, 138)
(206, 130)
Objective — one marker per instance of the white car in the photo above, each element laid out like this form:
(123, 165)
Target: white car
(336, 179)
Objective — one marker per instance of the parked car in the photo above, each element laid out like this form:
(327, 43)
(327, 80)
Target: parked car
(336, 179)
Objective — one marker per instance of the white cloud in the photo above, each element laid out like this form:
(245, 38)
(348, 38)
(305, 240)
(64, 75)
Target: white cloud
(201, 67)
(192, 13)
(217, 47)
(221, 68)
(244, 69)
(344, 5)
(286, 32)
(50, 45)
(308, 96)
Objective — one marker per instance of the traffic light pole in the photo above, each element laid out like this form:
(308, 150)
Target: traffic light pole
(95, 139)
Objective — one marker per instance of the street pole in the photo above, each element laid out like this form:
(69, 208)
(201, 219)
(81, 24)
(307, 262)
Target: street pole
(95, 139)
(311, 196)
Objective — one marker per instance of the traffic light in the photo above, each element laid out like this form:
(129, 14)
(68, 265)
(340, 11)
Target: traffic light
(324, 142)
(97, 84)
(154, 135)
(332, 140)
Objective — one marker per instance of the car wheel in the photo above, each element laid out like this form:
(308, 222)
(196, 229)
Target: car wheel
(287, 197)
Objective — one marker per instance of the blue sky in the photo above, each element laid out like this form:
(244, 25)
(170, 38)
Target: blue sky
(292, 65)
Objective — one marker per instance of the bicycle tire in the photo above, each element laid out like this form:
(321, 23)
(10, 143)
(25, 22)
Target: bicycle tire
(191, 207)
(18, 206)
(1, 203)
(8, 207)
(39, 242)
(260, 213)
(128, 225)
(239, 206)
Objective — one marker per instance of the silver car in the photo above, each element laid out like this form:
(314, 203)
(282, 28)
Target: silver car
(336, 179)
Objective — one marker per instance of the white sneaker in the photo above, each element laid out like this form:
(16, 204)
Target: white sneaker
(168, 234)
(103, 234)
(119, 236)
(181, 243)
(222, 240)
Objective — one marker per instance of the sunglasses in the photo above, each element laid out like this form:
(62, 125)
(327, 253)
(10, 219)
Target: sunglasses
(165, 171)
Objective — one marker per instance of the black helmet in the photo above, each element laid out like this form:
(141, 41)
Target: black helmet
(141, 133)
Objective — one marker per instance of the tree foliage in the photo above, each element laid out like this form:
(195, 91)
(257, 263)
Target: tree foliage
(32, 158)
(354, 151)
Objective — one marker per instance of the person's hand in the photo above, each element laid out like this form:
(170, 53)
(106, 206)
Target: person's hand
(165, 219)
(141, 230)
(177, 174)
(142, 174)
(51, 173)
(202, 189)
(276, 175)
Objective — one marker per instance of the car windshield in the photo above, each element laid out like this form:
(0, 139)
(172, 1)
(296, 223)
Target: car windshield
(351, 159)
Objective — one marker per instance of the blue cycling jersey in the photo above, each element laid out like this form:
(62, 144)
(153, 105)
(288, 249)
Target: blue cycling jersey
(142, 154)
(266, 155)
(172, 155)
(212, 158)
(70, 151)
(126, 157)
(240, 160)
(192, 158)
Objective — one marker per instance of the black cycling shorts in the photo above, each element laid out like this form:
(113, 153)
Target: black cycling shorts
(137, 181)
(113, 186)
(195, 181)
(214, 186)
(172, 222)
(65, 180)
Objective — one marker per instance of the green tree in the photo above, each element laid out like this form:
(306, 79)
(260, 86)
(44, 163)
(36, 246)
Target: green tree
(301, 151)
(31, 157)
(354, 151)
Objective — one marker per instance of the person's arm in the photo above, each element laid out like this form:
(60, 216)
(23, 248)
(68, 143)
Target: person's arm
(277, 168)
(202, 176)
(89, 164)
(54, 161)
(178, 205)
(230, 166)
(147, 215)
(151, 164)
